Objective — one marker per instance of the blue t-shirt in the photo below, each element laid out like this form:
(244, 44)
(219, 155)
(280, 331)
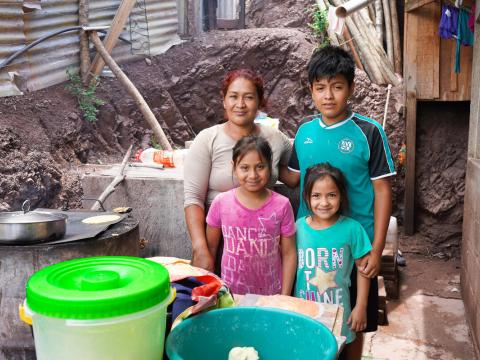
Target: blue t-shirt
(325, 261)
(357, 146)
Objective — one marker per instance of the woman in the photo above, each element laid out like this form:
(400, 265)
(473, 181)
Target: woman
(208, 165)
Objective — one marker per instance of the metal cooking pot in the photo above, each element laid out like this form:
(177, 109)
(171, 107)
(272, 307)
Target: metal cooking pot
(24, 227)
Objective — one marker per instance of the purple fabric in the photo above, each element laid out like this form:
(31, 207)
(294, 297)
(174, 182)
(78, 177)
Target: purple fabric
(448, 24)
(471, 20)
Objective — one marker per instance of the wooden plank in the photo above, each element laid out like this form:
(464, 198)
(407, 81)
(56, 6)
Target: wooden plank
(113, 33)
(84, 50)
(427, 51)
(133, 92)
(409, 216)
(410, 71)
(437, 13)
(241, 15)
(411, 5)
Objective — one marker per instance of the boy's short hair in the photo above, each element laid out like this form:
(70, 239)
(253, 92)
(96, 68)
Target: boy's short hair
(330, 61)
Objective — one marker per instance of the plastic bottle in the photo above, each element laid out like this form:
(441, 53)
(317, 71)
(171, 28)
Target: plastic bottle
(167, 158)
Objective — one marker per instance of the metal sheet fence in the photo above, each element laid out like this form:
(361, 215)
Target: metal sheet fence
(151, 30)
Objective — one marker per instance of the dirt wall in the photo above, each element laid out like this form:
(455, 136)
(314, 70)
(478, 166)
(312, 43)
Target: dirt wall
(185, 97)
(442, 133)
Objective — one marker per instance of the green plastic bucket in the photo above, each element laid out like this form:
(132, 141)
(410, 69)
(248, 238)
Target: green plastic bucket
(275, 334)
(109, 307)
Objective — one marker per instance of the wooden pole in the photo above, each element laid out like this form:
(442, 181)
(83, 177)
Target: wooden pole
(84, 51)
(388, 30)
(397, 48)
(409, 212)
(379, 19)
(132, 91)
(350, 43)
(116, 180)
(113, 33)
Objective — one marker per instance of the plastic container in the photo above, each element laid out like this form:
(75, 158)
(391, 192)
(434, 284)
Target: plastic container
(275, 334)
(111, 307)
(167, 158)
(392, 235)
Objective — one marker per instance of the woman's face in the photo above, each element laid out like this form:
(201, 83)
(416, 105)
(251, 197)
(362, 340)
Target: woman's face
(241, 102)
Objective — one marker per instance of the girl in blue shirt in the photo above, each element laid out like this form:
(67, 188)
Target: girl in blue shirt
(329, 244)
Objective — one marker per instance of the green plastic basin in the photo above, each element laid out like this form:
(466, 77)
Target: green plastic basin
(275, 334)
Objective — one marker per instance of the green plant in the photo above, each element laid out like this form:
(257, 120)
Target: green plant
(154, 143)
(88, 102)
(319, 24)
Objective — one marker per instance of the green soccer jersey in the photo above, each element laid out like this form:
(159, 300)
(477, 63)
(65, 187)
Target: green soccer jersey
(325, 261)
(357, 146)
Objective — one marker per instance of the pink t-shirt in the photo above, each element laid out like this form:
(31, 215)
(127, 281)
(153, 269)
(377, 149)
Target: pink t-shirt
(251, 261)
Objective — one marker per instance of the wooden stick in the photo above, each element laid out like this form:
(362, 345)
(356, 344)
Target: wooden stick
(376, 51)
(397, 47)
(113, 33)
(84, 51)
(348, 38)
(385, 113)
(132, 91)
(364, 48)
(379, 19)
(388, 30)
(116, 180)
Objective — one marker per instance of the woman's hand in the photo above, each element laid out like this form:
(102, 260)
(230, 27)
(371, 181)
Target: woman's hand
(358, 318)
(202, 258)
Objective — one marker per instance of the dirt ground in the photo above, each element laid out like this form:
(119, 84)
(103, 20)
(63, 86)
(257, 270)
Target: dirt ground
(428, 320)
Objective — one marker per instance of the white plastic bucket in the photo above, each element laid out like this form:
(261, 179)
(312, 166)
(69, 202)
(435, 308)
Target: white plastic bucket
(135, 336)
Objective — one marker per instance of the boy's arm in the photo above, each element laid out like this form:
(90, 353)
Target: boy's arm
(382, 188)
(358, 317)
(213, 239)
(289, 263)
(288, 177)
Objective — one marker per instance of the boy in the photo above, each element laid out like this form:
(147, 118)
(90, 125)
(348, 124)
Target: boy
(357, 146)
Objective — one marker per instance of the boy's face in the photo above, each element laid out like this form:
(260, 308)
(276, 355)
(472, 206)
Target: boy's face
(330, 96)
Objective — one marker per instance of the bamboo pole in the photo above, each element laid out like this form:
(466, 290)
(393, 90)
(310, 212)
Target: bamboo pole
(375, 73)
(388, 30)
(350, 43)
(376, 50)
(379, 19)
(397, 47)
(367, 52)
(371, 12)
(84, 51)
(132, 91)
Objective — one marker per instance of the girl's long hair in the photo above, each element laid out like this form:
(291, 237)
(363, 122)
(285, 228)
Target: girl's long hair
(320, 171)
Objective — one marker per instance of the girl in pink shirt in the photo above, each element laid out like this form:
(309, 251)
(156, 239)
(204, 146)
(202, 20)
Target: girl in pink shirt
(257, 225)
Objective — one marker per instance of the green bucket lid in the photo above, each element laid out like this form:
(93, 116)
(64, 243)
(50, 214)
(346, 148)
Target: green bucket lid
(97, 287)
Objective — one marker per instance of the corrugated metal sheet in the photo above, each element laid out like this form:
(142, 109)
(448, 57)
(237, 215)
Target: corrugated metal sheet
(227, 9)
(152, 29)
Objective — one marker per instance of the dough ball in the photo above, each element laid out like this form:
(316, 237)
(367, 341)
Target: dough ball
(243, 353)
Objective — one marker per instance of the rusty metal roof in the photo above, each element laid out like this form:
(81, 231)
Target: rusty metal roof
(152, 29)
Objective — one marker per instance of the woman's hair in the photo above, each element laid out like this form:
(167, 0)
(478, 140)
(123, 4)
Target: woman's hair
(246, 74)
(249, 143)
(320, 171)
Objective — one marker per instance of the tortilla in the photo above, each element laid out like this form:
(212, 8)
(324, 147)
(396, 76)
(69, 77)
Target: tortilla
(101, 219)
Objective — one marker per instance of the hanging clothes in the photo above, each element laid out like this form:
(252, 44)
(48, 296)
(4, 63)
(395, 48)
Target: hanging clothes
(464, 36)
(471, 20)
(448, 26)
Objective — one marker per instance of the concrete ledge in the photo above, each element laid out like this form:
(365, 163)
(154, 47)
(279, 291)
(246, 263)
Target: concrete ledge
(156, 197)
